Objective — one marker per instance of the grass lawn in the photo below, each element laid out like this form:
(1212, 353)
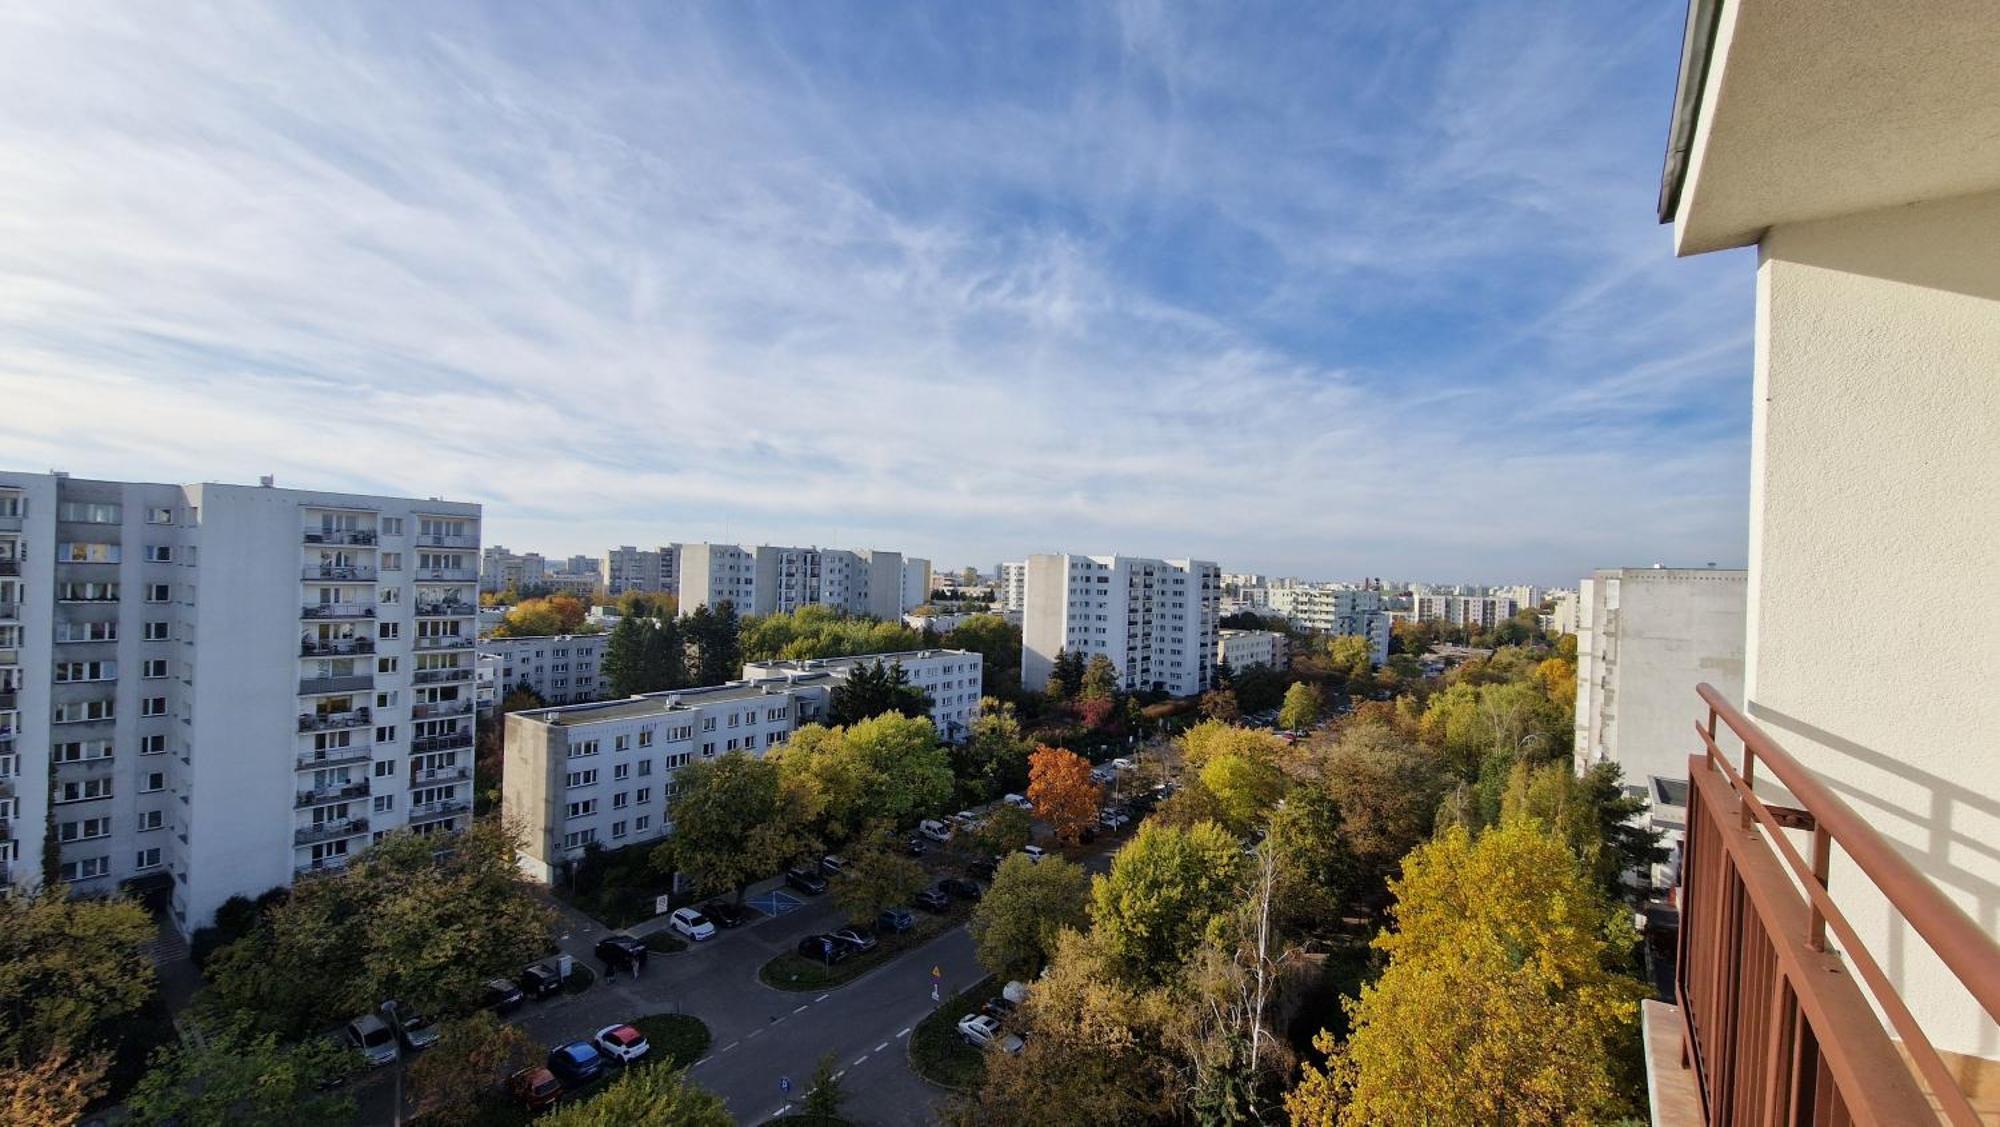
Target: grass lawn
(790, 971)
(937, 1051)
(678, 1039)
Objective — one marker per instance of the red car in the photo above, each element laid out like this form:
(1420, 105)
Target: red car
(536, 1088)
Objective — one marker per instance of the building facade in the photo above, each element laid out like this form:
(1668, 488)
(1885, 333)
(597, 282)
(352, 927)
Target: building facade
(221, 687)
(654, 572)
(1331, 608)
(1010, 586)
(605, 773)
(916, 582)
(952, 679)
(1644, 637)
(1242, 649)
(764, 579)
(502, 570)
(561, 669)
(1155, 619)
(1475, 612)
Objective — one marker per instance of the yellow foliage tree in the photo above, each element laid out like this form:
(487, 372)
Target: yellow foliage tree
(1499, 1005)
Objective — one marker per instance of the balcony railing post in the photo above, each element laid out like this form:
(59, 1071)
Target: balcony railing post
(1822, 863)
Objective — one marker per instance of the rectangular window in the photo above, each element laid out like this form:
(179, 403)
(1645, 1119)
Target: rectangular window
(386, 734)
(79, 751)
(619, 800)
(84, 790)
(622, 743)
(155, 744)
(154, 668)
(384, 803)
(152, 819)
(678, 759)
(620, 772)
(153, 706)
(644, 795)
(392, 561)
(388, 631)
(385, 664)
(617, 830)
(71, 591)
(147, 858)
(645, 767)
(84, 711)
(86, 830)
(392, 526)
(385, 769)
(159, 553)
(86, 631)
(88, 868)
(582, 809)
(157, 632)
(159, 593)
(579, 750)
(577, 839)
(642, 823)
(152, 782)
(72, 672)
(89, 512)
(580, 779)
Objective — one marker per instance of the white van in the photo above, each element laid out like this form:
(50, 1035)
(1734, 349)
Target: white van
(934, 829)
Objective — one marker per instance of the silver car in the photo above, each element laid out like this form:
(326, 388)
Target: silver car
(372, 1037)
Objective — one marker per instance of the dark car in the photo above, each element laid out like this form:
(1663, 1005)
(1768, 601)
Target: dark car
(858, 939)
(502, 996)
(1086, 835)
(963, 889)
(822, 948)
(576, 1063)
(535, 1088)
(539, 980)
(998, 1008)
(621, 952)
(933, 900)
(806, 881)
(832, 865)
(895, 920)
(914, 846)
(726, 914)
(984, 868)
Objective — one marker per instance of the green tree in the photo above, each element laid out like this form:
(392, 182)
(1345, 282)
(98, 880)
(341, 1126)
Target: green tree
(1100, 679)
(1347, 651)
(889, 768)
(1258, 688)
(1164, 889)
(1065, 675)
(1316, 870)
(1387, 788)
(471, 1056)
(624, 660)
(824, 1098)
(1245, 788)
(1303, 707)
(1015, 925)
(1005, 831)
(713, 634)
(70, 972)
(995, 757)
(663, 656)
(645, 1095)
(1496, 1005)
(998, 643)
(405, 920)
(232, 1075)
(876, 689)
(1220, 705)
(876, 878)
(732, 824)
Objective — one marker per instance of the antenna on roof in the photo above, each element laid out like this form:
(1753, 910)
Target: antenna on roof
(267, 481)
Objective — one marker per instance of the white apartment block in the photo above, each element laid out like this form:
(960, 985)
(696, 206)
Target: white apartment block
(606, 773)
(1155, 619)
(561, 669)
(219, 688)
(916, 582)
(502, 570)
(1010, 582)
(1645, 637)
(1245, 648)
(764, 579)
(1332, 608)
(1479, 612)
(654, 572)
(952, 679)
(581, 584)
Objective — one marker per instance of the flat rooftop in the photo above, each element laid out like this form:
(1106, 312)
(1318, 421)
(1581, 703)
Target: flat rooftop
(662, 704)
(838, 664)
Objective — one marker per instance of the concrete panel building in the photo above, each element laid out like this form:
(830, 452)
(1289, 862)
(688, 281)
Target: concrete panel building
(502, 570)
(1331, 608)
(953, 679)
(654, 572)
(561, 669)
(764, 579)
(1155, 619)
(1010, 585)
(916, 583)
(1242, 649)
(223, 687)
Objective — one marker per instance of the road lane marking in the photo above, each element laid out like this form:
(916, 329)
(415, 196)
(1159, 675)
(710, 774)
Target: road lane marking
(731, 1045)
(751, 1034)
(702, 1061)
(823, 997)
(881, 1046)
(906, 1031)
(800, 1010)
(840, 1074)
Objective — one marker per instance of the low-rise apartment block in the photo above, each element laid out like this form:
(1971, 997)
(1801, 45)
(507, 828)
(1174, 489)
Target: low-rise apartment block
(1155, 619)
(1477, 612)
(763, 579)
(605, 773)
(217, 688)
(952, 679)
(1241, 649)
(561, 669)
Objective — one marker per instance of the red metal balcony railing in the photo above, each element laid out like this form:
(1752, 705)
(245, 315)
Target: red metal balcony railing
(1778, 1029)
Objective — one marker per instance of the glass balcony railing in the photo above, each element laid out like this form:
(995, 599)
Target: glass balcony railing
(328, 831)
(337, 610)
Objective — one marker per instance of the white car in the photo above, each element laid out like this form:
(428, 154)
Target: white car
(1018, 801)
(1112, 819)
(1034, 853)
(373, 1038)
(621, 1043)
(934, 829)
(984, 1031)
(1123, 764)
(693, 924)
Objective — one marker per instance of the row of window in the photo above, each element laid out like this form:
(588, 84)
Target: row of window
(577, 839)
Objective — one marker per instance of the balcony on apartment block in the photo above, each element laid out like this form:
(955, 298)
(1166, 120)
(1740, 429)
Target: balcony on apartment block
(426, 775)
(331, 721)
(441, 676)
(450, 741)
(333, 756)
(431, 811)
(337, 610)
(335, 647)
(444, 608)
(328, 831)
(323, 683)
(320, 796)
(445, 574)
(345, 573)
(435, 709)
(10, 566)
(1781, 1014)
(444, 642)
(362, 536)
(324, 866)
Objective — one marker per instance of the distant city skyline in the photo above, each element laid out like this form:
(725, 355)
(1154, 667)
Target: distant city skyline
(1312, 291)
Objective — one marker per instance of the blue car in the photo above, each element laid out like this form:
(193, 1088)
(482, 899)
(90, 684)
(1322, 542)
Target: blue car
(575, 1063)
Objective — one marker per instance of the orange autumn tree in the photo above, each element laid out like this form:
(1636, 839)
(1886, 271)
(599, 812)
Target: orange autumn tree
(1060, 786)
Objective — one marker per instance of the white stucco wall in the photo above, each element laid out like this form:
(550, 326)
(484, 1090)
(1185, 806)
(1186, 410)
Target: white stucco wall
(1876, 473)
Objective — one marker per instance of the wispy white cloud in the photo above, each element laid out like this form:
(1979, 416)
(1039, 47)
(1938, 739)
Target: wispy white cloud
(1340, 292)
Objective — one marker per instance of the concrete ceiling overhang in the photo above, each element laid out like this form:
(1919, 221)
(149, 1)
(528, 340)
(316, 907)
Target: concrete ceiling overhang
(1816, 108)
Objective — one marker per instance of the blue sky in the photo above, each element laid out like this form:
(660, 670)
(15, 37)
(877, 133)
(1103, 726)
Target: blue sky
(1321, 289)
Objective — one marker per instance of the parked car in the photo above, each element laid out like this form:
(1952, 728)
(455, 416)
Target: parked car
(1122, 764)
(1101, 775)
(1018, 801)
(965, 818)
(1015, 991)
(984, 868)
(999, 1009)
(539, 980)
(934, 830)
(691, 923)
(857, 939)
(502, 996)
(373, 1038)
(535, 1088)
(822, 948)
(962, 889)
(576, 1063)
(932, 900)
(1112, 819)
(806, 881)
(724, 913)
(622, 952)
(914, 845)
(1034, 853)
(833, 864)
(415, 1031)
(895, 920)
(621, 1043)
(982, 1030)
